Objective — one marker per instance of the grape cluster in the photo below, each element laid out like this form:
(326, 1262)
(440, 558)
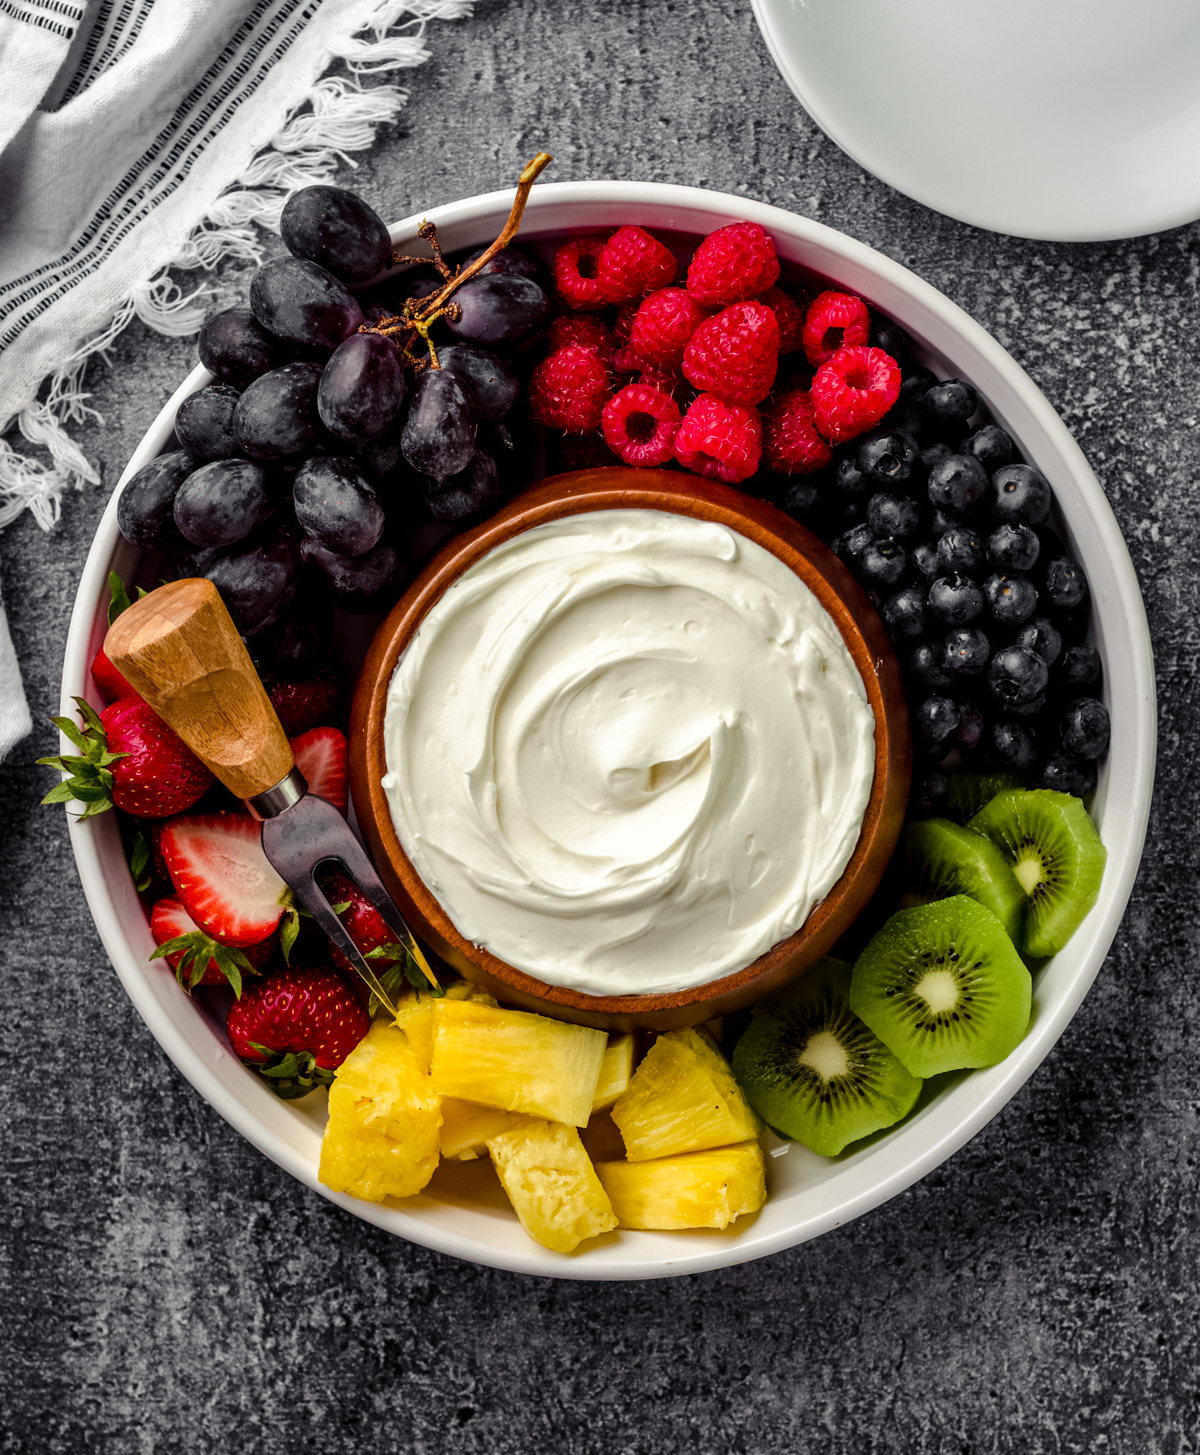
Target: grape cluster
(344, 432)
(948, 533)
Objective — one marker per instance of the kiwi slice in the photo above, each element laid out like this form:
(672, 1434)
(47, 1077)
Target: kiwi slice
(943, 987)
(811, 1069)
(968, 791)
(944, 859)
(1056, 855)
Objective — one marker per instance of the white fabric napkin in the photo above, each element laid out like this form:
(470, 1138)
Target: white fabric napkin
(147, 153)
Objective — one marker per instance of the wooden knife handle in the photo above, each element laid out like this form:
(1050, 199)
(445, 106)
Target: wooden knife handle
(179, 648)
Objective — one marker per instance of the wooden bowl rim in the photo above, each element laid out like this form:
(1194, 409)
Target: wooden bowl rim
(625, 488)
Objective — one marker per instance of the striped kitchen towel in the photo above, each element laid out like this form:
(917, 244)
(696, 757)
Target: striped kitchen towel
(133, 136)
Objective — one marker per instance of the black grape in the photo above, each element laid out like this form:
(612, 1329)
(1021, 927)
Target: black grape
(359, 583)
(300, 301)
(507, 260)
(492, 382)
(470, 495)
(204, 423)
(257, 585)
(336, 506)
(146, 506)
(235, 347)
(499, 310)
(222, 502)
(277, 414)
(362, 388)
(438, 437)
(302, 641)
(338, 230)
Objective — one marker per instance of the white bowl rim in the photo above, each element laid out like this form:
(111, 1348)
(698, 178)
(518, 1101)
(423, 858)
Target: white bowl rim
(894, 1162)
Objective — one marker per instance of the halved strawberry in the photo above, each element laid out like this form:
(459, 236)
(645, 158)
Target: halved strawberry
(198, 959)
(221, 874)
(296, 1027)
(321, 757)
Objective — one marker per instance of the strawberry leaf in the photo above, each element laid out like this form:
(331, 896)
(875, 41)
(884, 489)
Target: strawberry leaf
(70, 730)
(90, 781)
(139, 860)
(289, 928)
(196, 950)
(290, 1074)
(119, 597)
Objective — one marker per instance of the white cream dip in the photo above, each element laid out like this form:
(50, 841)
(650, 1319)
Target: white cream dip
(628, 752)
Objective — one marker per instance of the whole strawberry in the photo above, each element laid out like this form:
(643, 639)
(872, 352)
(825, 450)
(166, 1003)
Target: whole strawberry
(130, 758)
(296, 1027)
(314, 702)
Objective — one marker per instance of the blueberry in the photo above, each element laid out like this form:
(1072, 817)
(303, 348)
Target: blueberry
(897, 516)
(932, 455)
(891, 338)
(940, 523)
(965, 651)
(969, 732)
(844, 514)
(850, 478)
(930, 794)
(1013, 547)
(1080, 667)
(1065, 583)
(1085, 728)
(991, 446)
(960, 552)
(1027, 710)
(887, 459)
(957, 484)
(904, 417)
(1013, 745)
(948, 406)
(1011, 600)
(935, 719)
(801, 496)
(904, 614)
(927, 664)
(1017, 676)
(955, 599)
(883, 565)
(1020, 493)
(1067, 774)
(916, 382)
(222, 502)
(854, 542)
(1041, 637)
(925, 558)
(146, 504)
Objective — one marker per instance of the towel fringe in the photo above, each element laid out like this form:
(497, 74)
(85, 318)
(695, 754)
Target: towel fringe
(343, 117)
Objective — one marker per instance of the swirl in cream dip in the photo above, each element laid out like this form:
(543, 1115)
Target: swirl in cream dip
(628, 752)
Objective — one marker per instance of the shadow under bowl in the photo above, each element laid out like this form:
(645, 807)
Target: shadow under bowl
(619, 488)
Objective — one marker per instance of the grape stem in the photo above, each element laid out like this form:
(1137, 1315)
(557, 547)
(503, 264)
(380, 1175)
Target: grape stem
(418, 315)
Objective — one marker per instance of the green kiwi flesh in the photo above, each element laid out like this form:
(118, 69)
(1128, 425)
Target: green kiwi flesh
(944, 859)
(969, 791)
(1056, 855)
(813, 1070)
(943, 987)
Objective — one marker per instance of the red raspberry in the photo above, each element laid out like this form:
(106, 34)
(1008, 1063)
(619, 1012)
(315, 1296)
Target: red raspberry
(626, 313)
(834, 321)
(789, 316)
(791, 444)
(574, 270)
(720, 440)
(588, 333)
(640, 423)
(732, 264)
(625, 361)
(735, 354)
(569, 389)
(632, 263)
(670, 381)
(853, 391)
(663, 324)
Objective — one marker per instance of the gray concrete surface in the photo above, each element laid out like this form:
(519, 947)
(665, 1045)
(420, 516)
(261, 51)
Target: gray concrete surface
(166, 1288)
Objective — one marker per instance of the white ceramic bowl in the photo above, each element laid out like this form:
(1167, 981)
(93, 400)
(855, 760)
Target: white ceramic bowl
(809, 1194)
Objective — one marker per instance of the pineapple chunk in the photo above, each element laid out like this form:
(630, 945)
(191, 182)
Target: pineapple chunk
(466, 1126)
(516, 1061)
(551, 1184)
(682, 1098)
(414, 1016)
(697, 1190)
(615, 1071)
(382, 1136)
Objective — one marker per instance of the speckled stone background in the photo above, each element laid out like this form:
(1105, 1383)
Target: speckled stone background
(165, 1287)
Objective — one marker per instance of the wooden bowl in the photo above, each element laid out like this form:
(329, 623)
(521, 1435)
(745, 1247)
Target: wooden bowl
(618, 488)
